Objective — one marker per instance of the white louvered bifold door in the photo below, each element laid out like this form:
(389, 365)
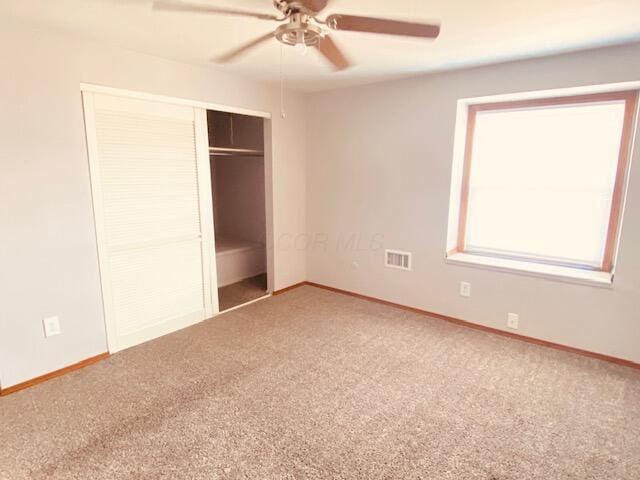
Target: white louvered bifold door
(152, 201)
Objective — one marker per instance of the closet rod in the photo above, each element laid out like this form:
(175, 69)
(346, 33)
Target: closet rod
(245, 152)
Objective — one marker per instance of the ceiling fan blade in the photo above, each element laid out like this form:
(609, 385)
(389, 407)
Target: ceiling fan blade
(236, 52)
(380, 25)
(315, 5)
(331, 52)
(177, 6)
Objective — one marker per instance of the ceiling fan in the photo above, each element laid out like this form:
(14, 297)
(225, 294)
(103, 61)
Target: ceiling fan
(303, 28)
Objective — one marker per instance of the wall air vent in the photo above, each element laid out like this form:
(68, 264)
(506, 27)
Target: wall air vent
(397, 259)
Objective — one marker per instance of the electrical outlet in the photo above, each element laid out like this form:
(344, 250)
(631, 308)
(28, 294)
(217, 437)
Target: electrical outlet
(465, 289)
(51, 326)
(512, 320)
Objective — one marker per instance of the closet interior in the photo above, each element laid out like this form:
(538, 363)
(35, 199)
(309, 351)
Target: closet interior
(236, 154)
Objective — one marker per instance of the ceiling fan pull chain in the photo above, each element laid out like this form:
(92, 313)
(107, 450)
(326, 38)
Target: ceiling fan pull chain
(282, 112)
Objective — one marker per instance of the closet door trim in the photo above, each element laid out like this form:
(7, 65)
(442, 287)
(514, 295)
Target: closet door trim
(89, 87)
(98, 215)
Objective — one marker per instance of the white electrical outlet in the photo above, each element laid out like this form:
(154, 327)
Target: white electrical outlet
(465, 289)
(512, 320)
(51, 326)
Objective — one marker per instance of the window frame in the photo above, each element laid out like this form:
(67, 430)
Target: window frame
(630, 99)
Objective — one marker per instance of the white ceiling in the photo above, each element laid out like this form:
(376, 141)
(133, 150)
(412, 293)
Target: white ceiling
(473, 32)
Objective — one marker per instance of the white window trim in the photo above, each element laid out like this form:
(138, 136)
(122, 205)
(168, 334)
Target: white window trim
(552, 272)
(556, 92)
(541, 270)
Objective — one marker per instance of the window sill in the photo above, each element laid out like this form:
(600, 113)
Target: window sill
(565, 274)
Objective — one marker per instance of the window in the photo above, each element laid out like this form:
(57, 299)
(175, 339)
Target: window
(543, 179)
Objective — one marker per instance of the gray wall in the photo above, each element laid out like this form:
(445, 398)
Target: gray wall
(379, 167)
(48, 251)
(238, 197)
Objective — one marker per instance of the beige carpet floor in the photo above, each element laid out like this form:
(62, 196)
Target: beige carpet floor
(314, 384)
(242, 292)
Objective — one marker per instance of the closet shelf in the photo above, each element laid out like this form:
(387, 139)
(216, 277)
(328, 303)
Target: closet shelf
(228, 152)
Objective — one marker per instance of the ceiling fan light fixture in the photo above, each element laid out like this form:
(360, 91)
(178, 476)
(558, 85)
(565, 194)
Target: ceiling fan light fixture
(301, 48)
(299, 31)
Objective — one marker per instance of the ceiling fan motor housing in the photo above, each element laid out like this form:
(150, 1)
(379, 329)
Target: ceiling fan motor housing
(289, 7)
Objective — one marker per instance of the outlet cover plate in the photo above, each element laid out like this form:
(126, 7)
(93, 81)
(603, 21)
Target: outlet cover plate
(513, 319)
(51, 326)
(465, 289)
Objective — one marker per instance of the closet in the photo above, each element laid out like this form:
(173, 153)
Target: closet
(237, 163)
(182, 210)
